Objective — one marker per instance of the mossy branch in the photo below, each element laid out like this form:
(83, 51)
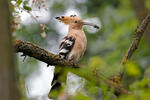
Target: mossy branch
(135, 43)
(116, 79)
(34, 51)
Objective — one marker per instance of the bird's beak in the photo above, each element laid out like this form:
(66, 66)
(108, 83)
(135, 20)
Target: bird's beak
(61, 18)
(91, 24)
(64, 19)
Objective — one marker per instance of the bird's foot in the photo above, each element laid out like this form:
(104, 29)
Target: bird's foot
(74, 63)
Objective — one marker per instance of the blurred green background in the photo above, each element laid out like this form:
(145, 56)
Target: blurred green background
(105, 49)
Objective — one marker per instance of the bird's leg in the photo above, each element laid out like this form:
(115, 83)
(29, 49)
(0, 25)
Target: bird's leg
(75, 63)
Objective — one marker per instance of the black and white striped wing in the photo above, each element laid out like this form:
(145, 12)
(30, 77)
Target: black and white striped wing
(66, 46)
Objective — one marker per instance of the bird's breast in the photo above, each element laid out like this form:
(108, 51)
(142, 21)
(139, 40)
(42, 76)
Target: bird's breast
(79, 46)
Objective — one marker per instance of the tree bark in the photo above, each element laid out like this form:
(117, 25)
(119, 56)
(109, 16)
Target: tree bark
(29, 49)
(135, 43)
(8, 86)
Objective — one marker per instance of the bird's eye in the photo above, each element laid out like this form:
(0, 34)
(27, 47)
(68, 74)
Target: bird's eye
(76, 21)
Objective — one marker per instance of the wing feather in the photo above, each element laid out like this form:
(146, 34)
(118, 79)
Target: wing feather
(66, 46)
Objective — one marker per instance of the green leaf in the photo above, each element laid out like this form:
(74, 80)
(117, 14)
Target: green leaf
(27, 8)
(96, 61)
(19, 2)
(140, 84)
(132, 69)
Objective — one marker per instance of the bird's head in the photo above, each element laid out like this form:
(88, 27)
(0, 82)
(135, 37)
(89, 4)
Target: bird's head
(75, 21)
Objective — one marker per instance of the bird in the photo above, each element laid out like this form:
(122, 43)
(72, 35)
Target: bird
(73, 45)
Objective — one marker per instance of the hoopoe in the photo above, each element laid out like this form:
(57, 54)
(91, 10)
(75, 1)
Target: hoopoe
(73, 46)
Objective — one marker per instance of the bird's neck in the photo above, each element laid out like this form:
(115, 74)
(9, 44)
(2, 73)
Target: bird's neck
(73, 29)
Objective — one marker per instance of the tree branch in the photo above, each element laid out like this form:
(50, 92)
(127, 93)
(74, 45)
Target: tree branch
(135, 43)
(34, 51)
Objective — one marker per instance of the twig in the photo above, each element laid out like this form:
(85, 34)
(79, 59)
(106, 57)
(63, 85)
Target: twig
(134, 45)
(117, 87)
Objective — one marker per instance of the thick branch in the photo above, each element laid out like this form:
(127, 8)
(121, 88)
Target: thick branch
(139, 33)
(34, 51)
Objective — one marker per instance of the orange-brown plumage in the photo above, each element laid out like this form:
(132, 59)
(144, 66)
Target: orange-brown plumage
(76, 37)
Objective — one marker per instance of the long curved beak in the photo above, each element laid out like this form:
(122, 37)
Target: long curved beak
(91, 24)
